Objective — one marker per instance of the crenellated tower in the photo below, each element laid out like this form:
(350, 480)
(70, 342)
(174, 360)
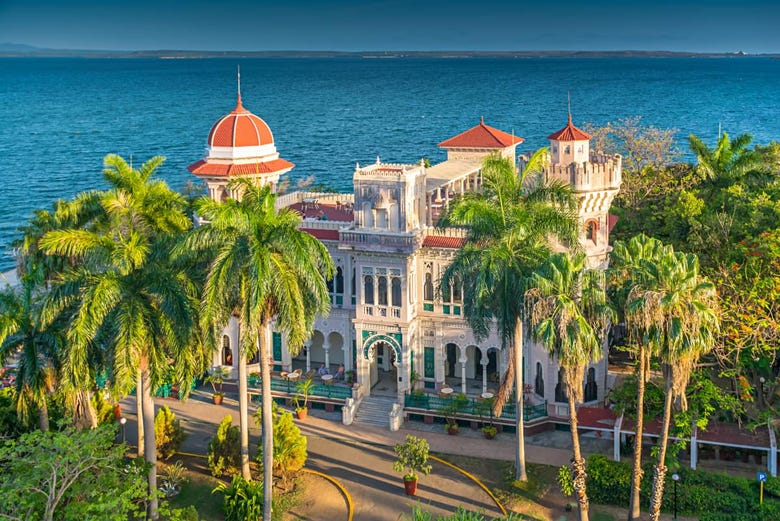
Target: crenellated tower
(595, 178)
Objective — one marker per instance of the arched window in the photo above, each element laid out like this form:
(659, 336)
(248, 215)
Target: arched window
(446, 294)
(560, 388)
(368, 289)
(227, 353)
(339, 281)
(354, 289)
(539, 382)
(591, 387)
(567, 149)
(591, 231)
(382, 290)
(397, 292)
(428, 287)
(457, 290)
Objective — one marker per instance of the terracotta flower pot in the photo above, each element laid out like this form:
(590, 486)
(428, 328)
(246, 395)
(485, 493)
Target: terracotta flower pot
(217, 398)
(302, 413)
(410, 485)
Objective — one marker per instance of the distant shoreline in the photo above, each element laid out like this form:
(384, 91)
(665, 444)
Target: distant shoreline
(173, 54)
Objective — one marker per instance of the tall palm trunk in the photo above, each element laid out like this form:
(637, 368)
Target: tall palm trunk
(659, 473)
(578, 465)
(84, 416)
(43, 415)
(243, 414)
(520, 473)
(268, 428)
(150, 448)
(634, 510)
(139, 412)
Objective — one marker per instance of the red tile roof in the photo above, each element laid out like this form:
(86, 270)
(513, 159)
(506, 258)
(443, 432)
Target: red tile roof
(205, 168)
(482, 136)
(240, 128)
(570, 133)
(439, 241)
(596, 417)
(611, 221)
(323, 235)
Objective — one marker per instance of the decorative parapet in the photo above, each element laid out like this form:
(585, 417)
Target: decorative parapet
(292, 198)
(602, 172)
(374, 241)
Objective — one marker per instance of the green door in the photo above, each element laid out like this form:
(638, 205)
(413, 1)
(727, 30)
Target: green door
(277, 351)
(428, 366)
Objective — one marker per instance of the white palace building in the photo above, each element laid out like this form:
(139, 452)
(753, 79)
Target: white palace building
(388, 321)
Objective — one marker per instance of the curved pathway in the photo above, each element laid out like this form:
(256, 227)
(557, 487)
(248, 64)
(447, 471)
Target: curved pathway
(360, 458)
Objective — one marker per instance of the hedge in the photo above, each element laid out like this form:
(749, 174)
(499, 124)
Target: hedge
(712, 496)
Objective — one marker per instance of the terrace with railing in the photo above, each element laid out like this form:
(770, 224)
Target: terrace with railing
(465, 408)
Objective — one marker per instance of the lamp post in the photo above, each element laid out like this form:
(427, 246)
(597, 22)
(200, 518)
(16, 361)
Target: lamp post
(761, 381)
(675, 478)
(123, 422)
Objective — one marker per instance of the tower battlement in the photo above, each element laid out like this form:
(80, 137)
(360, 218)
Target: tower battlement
(602, 172)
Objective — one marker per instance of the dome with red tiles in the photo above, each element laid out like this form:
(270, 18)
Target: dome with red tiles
(240, 128)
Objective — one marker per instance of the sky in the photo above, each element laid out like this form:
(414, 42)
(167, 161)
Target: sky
(376, 25)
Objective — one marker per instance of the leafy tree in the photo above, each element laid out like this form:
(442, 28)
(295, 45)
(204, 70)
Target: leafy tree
(224, 452)
(568, 314)
(70, 474)
(509, 224)
(262, 270)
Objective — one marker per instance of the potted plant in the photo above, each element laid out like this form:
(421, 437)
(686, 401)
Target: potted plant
(304, 390)
(489, 431)
(414, 377)
(217, 378)
(452, 428)
(411, 458)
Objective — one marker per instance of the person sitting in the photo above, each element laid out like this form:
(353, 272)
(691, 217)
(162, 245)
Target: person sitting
(339, 373)
(322, 371)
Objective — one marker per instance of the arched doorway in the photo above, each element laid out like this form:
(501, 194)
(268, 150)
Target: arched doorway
(382, 353)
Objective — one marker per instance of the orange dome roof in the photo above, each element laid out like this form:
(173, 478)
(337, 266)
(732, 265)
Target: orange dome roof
(240, 128)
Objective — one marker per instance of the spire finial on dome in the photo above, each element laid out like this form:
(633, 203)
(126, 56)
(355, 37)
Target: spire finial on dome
(568, 100)
(482, 120)
(238, 105)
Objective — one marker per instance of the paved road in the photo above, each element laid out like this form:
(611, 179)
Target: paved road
(361, 457)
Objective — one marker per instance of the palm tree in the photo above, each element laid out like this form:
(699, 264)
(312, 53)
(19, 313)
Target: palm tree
(625, 278)
(568, 314)
(263, 270)
(123, 296)
(676, 307)
(509, 224)
(729, 162)
(22, 334)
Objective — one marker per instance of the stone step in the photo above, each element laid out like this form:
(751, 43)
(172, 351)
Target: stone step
(375, 410)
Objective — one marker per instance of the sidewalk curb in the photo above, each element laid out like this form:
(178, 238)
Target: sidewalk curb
(334, 481)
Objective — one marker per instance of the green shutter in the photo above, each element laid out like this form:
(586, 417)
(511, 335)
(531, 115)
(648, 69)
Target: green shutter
(277, 350)
(428, 363)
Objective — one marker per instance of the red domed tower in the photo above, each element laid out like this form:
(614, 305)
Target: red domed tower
(240, 144)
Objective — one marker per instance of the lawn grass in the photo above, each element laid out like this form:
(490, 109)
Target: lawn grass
(196, 491)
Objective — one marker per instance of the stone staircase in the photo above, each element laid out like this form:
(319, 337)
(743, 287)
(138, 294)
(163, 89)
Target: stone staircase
(375, 410)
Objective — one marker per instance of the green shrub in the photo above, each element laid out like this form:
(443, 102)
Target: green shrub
(243, 499)
(289, 448)
(224, 452)
(168, 433)
(104, 408)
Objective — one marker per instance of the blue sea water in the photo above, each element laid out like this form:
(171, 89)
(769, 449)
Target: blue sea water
(60, 117)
